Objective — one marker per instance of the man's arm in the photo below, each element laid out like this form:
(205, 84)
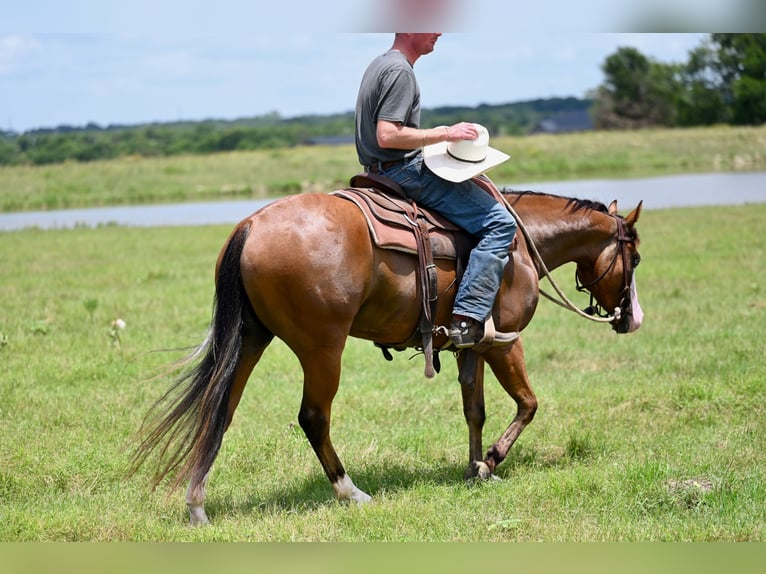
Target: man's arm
(393, 135)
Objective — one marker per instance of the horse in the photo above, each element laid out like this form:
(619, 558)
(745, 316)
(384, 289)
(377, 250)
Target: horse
(304, 269)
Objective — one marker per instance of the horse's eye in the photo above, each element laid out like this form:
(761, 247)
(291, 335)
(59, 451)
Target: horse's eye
(636, 260)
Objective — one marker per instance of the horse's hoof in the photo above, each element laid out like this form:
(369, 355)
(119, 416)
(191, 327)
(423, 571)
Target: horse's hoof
(482, 470)
(478, 470)
(346, 490)
(360, 497)
(197, 516)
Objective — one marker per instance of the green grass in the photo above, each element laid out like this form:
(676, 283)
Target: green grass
(272, 173)
(652, 436)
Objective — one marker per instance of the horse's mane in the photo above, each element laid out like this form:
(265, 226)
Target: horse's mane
(573, 203)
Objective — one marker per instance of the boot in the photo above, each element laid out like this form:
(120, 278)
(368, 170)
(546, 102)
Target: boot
(466, 332)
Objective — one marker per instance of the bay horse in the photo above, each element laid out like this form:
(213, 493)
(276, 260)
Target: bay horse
(304, 269)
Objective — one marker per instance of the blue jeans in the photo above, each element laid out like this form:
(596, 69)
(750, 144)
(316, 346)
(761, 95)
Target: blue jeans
(466, 205)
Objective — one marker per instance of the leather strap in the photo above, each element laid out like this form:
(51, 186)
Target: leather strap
(384, 165)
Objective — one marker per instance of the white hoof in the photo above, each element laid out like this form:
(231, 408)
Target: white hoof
(346, 490)
(197, 516)
(479, 471)
(360, 497)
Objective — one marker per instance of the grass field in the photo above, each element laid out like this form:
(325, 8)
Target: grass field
(272, 173)
(652, 436)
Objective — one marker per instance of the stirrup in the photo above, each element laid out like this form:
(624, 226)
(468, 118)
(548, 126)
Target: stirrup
(494, 338)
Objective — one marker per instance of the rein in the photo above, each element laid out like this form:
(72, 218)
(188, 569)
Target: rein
(564, 300)
(622, 241)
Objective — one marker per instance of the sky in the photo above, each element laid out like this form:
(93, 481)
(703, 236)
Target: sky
(73, 62)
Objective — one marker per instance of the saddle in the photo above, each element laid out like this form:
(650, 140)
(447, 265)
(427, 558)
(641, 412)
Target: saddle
(394, 220)
(398, 223)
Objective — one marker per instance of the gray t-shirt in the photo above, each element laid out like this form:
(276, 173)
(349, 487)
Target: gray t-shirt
(389, 91)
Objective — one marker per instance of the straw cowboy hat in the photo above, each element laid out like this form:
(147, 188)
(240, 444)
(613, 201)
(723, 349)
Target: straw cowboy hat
(461, 160)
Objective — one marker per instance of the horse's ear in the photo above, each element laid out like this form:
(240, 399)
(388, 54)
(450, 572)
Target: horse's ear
(613, 208)
(633, 216)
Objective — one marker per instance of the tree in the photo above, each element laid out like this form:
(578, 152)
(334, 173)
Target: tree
(749, 105)
(741, 63)
(627, 72)
(702, 101)
(9, 152)
(637, 91)
(725, 81)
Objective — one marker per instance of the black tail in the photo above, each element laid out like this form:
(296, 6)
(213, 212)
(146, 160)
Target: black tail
(187, 423)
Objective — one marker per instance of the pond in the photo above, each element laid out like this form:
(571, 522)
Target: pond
(656, 192)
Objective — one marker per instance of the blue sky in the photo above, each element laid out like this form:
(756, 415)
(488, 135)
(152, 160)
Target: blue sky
(79, 61)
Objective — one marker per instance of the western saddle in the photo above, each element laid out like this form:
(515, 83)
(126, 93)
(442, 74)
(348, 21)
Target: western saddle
(398, 223)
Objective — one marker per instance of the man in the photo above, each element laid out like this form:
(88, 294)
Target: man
(389, 141)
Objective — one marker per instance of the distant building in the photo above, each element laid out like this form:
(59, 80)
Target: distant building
(565, 122)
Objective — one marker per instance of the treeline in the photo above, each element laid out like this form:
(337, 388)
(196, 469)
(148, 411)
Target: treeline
(92, 142)
(723, 81)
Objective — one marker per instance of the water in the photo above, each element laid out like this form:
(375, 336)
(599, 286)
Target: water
(209, 213)
(656, 193)
(665, 192)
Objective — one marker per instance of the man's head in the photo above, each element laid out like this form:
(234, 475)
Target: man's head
(415, 45)
(414, 15)
(421, 14)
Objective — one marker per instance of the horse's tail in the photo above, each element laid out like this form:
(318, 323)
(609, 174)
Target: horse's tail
(187, 423)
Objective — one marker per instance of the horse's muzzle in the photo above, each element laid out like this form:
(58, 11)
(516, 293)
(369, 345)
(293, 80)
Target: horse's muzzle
(622, 325)
(630, 319)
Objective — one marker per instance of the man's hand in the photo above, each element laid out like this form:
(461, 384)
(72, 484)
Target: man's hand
(462, 131)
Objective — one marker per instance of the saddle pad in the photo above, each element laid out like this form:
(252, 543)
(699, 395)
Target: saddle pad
(389, 220)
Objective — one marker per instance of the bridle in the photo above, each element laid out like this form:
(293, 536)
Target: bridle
(622, 249)
(594, 312)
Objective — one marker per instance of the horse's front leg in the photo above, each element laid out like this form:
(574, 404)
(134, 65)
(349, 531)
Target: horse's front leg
(508, 366)
(472, 388)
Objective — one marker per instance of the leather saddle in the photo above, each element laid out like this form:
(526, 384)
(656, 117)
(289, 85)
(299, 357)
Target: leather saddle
(398, 223)
(393, 218)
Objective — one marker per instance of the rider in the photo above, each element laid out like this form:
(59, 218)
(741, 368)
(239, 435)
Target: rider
(389, 142)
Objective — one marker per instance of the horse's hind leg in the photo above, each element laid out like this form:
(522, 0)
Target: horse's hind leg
(321, 368)
(252, 350)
